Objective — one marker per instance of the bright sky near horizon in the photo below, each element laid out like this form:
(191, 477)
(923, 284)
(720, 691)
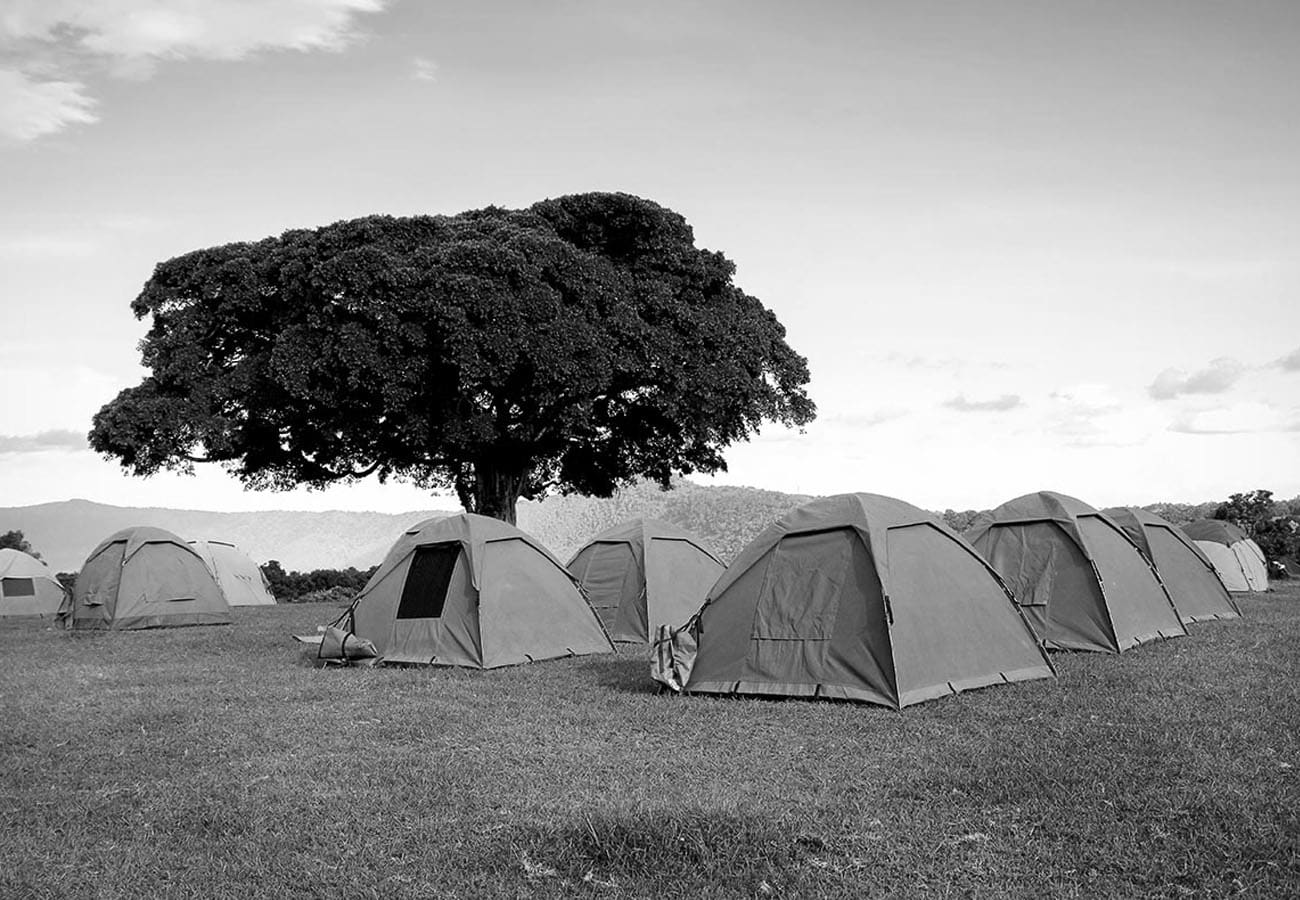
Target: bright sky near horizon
(1024, 245)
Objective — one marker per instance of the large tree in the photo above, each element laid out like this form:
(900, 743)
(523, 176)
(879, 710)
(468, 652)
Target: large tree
(577, 344)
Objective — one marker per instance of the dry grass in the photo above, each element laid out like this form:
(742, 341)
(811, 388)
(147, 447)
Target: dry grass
(213, 762)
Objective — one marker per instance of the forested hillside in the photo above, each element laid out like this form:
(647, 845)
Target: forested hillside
(726, 517)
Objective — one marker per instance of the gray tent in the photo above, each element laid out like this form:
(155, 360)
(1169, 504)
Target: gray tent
(27, 586)
(1198, 592)
(146, 578)
(240, 579)
(856, 597)
(644, 573)
(1081, 581)
(468, 590)
(1237, 558)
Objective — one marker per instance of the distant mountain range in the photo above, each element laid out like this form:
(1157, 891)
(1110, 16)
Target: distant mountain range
(65, 532)
(726, 518)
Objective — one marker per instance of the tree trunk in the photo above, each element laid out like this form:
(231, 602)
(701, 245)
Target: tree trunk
(495, 492)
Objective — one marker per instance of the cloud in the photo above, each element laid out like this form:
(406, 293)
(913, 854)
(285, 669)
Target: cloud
(1087, 398)
(185, 29)
(46, 247)
(997, 404)
(864, 420)
(1290, 362)
(1091, 415)
(424, 69)
(941, 363)
(57, 439)
(1219, 376)
(63, 395)
(1239, 418)
(30, 109)
(51, 41)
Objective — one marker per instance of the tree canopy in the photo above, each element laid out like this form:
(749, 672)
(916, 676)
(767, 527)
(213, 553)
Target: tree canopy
(1269, 523)
(16, 540)
(577, 344)
(1247, 510)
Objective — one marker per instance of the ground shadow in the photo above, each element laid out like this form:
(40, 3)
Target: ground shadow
(628, 674)
(663, 852)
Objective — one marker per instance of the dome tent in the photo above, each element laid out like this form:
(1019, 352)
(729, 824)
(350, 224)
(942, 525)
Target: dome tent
(1237, 559)
(468, 590)
(27, 586)
(145, 578)
(644, 573)
(240, 579)
(1197, 591)
(1081, 581)
(855, 597)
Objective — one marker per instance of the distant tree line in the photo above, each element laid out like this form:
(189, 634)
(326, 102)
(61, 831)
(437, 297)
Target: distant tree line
(318, 585)
(1274, 524)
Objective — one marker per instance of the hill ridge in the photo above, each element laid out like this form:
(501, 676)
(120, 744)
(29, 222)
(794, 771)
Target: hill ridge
(726, 517)
(65, 531)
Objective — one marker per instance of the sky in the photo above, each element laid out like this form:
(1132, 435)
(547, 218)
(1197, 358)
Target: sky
(1023, 245)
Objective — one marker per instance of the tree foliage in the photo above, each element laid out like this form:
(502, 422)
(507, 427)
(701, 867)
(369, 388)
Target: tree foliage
(15, 540)
(1279, 537)
(960, 522)
(291, 587)
(577, 344)
(1247, 510)
(1272, 525)
(1182, 513)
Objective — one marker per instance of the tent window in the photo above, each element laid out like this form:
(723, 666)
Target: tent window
(800, 597)
(18, 587)
(425, 590)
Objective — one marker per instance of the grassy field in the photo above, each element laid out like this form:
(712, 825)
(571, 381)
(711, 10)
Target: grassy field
(218, 762)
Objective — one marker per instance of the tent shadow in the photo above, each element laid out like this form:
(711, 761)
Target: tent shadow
(626, 672)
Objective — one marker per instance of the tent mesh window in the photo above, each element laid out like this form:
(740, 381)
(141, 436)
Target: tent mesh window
(18, 587)
(427, 581)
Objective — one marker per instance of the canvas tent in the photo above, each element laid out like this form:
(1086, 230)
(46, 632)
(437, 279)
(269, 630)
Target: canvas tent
(856, 597)
(1237, 559)
(644, 573)
(241, 581)
(145, 578)
(1198, 593)
(468, 590)
(27, 586)
(1081, 581)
